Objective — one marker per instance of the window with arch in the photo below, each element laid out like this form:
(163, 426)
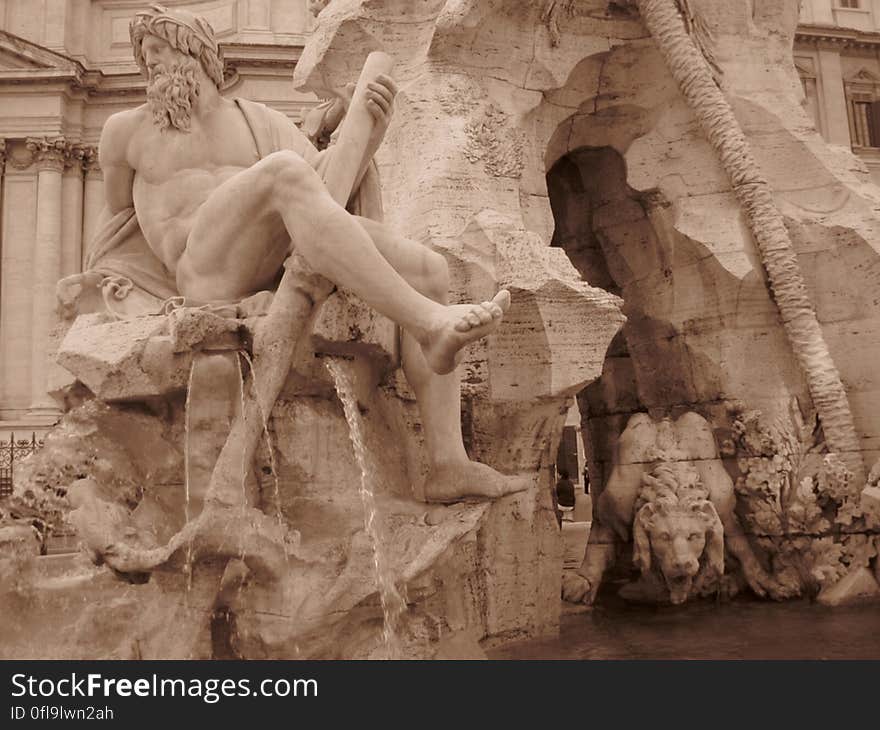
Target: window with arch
(863, 109)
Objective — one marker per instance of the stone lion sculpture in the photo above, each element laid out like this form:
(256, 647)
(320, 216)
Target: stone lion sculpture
(670, 495)
(677, 526)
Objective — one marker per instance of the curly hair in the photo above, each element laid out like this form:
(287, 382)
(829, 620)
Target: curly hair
(184, 31)
(673, 484)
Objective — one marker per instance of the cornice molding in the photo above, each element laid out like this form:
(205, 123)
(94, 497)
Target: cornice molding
(125, 80)
(833, 35)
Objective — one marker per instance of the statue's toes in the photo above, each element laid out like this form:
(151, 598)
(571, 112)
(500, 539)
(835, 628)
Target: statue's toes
(502, 300)
(493, 310)
(473, 318)
(483, 314)
(504, 484)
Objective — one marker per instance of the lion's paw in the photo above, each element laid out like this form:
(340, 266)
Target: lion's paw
(576, 588)
(766, 586)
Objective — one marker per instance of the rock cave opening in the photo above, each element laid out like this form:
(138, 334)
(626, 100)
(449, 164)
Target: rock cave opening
(596, 213)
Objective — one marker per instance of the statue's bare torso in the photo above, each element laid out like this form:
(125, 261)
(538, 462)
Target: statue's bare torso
(175, 172)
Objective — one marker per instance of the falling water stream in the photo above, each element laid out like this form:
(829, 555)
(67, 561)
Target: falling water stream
(187, 566)
(267, 435)
(393, 603)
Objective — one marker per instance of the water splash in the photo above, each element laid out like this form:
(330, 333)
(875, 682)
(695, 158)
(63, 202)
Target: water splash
(393, 603)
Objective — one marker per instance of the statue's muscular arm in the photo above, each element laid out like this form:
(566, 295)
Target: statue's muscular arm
(113, 155)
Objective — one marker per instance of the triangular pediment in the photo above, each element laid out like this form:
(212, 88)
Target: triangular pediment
(804, 67)
(18, 54)
(864, 76)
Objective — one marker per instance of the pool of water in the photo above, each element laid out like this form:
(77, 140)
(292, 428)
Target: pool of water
(739, 629)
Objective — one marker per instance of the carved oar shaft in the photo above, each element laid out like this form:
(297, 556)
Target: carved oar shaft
(354, 133)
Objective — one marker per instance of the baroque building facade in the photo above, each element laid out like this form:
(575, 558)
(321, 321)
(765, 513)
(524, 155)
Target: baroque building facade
(65, 67)
(837, 55)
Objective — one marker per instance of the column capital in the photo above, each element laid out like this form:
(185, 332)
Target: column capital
(90, 162)
(49, 153)
(74, 158)
(2, 154)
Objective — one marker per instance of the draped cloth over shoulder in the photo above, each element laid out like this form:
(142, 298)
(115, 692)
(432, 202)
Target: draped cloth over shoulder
(132, 280)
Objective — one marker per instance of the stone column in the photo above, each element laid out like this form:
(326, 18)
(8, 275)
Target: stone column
(93, 199)
(72, 212)
(50, 155)
(2, 174)
(833, 95)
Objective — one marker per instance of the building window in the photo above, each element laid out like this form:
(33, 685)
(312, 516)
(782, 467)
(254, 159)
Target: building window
(864, 122)
(807, 74)
(853, 4)
(863, 108)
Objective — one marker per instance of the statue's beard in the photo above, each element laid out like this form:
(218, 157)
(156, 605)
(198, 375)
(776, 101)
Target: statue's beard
(171, 94)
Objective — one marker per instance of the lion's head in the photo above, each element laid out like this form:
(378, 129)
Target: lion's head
(677, 524)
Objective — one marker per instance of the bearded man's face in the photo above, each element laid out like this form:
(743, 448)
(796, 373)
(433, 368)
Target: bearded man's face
(172, 86)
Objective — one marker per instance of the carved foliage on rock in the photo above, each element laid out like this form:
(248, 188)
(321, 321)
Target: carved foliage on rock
(789, 482)
(799, 501)
(807, 564)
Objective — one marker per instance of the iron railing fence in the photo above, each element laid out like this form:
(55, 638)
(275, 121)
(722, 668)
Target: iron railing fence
(13, 450)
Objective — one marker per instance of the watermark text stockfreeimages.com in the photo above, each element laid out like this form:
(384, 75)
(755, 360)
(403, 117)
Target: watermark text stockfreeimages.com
(209, 690)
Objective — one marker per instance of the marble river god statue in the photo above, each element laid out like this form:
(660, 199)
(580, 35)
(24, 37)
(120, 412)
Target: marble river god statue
(221, 212)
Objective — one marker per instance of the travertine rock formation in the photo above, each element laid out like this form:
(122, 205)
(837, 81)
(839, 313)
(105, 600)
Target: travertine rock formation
(646, 210)
(656, 186)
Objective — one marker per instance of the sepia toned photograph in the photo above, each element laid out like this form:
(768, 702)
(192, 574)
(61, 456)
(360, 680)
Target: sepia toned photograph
(438, 330)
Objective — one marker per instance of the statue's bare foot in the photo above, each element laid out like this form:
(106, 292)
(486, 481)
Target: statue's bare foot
(460, 325)
(471, 480)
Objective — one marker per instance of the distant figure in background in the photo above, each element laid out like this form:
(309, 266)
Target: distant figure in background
(586, 479)
(564, 495)
(565, 490)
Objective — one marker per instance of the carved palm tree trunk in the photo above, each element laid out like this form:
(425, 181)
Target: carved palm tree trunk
(695, 80)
